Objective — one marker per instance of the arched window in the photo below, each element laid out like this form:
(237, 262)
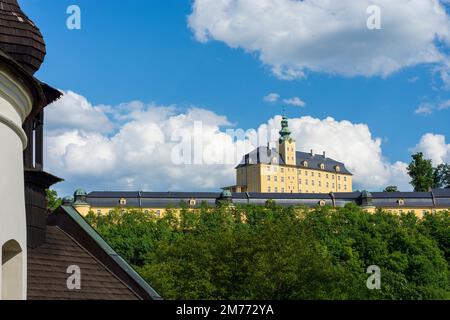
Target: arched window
(305, 164)
(322, 166)
(12, 271)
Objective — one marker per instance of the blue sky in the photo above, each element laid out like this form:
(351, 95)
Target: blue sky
(145, 51)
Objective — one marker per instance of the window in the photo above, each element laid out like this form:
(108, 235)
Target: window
(268, 189)
(312, 174)
(345, 187)
(333, 185)
(305, 164)
(332, 177)
(276, 189)
(401, 202)
(306, 181)
(282, 179)
(282, 190)
(312, 182)
(320, 184)
(345, 179)
(282, 170)
(12, 271)
(123, 202)
(339, 186)
(328, 184)
(327, 176)
(337, 168)
(339, 178)
(192, 202)
(319, 175)
(306, 173)
(322, 166)
(268, 178)
(275, 178)
(299, 172)
(300, 181)
(322, 203)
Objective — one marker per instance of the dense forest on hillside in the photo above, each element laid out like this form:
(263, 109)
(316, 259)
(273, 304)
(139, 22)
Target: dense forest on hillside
(271, 252)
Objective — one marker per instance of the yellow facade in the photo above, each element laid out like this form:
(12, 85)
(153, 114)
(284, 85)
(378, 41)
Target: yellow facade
(270, 178)
(159, 212)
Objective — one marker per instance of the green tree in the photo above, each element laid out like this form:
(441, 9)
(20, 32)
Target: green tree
(422, 173)
(391, 189)
(53, 201)
(274, 252)
(442, 176)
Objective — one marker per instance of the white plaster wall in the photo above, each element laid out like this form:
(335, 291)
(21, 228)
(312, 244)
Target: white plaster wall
(15, 105)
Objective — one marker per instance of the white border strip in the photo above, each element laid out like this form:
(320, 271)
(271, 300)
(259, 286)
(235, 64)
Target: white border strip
(17, 129)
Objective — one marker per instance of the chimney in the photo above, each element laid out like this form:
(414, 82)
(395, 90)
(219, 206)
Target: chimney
(312, 153)
(324, 154)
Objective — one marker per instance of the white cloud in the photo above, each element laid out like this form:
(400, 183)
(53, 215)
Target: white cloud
(328, 36)
(272, 97)
(424, 108)
(444, 105)
(75, 112)
(434, 147)
(429, 108)
(138, 154)
(296, 101)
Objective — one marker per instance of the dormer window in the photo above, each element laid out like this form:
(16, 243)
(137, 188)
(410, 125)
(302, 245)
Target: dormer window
(123, 202)
(322, 166)
(401, 202)
(322, 203)
(275, 160)
(337, 168)
(192, 202)
(305, 163)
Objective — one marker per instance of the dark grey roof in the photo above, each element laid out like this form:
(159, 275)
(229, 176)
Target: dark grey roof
(265, 155)
(438, 198)
(315, 160)
(261, 155)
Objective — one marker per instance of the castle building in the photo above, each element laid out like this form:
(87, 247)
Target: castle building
(38, 248)
(286, 170)
(157, 203)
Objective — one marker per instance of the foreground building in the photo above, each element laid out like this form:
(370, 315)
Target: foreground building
(157, 202)
(42, 254)
(286, 170)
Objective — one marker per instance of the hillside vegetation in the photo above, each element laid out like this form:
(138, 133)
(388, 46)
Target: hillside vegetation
(271, 252)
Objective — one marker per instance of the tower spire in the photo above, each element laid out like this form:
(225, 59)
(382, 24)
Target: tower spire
(285, 133)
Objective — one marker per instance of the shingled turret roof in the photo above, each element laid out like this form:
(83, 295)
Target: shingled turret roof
(19, 37)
